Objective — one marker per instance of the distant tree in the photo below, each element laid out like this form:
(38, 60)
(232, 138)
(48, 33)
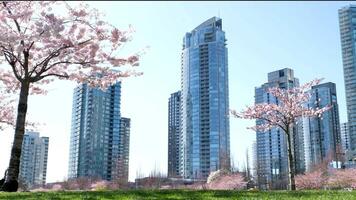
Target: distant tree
(44, 40)
(342, 178)
(283, 115)
(311, 180)
(100, 185)
(83, 183)
(225, 180)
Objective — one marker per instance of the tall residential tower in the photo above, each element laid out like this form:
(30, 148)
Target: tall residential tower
(205, 101)
(347, 22)
(272, 160)
(322, 135)
(345, 136)
(95, 133)
(33, 162)
(174, 120)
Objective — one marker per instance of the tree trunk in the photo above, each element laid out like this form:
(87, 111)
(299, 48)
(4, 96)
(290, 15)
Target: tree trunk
(291, 167)
(14, 165)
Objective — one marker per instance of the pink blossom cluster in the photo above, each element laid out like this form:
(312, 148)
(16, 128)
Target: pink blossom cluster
(221, 180)
(82, 183)
(334, 179)
(291, 106)
(7, 111)
(38, 43)
(311, 180)
(100, 185)
(342, 179)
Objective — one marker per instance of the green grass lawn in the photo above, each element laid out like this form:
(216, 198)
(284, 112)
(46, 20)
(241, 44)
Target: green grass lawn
(182, 194)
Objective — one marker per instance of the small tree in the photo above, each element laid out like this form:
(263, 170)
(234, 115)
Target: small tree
(311, 180)
(225, 180)
(291, 106)
(342, 178)
(44, 40)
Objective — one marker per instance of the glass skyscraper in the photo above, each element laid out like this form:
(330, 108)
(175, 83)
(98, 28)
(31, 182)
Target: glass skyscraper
(205, 140)
(174, 120)
(272, 160)
(95, 132)
(322, 135)
(347, 22)
(33, 161)
(345, 136)
(122, 165)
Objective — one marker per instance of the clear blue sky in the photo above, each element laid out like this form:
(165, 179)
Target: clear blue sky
(262, 37)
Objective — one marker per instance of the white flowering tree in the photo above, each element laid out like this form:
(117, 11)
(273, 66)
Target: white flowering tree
(292, 106)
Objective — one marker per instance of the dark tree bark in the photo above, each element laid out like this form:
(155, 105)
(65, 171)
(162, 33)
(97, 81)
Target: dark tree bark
(11, 183)
(291, 167)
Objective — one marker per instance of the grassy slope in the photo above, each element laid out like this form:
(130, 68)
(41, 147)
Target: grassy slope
(182, 194)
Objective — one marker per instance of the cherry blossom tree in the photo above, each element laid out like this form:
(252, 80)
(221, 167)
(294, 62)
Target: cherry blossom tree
(311, 180)
(44, 40)
(225, 180)
(342, 178)
(283, 115)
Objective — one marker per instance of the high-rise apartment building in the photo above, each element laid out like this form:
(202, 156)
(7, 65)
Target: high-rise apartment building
(205, 140)
(33, 161)
(174, 120)
(95, 132)
(322, 135)
(347, 23)
(272, 160)
(345, 136)
(122, 164)
(254, 161)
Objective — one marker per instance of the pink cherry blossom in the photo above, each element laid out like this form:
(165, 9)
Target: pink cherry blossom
(223, 180)
(42, 41)
(284, 115)
(342, 178)
(7, 111)
(291, 107)
(75, 44)
(311, 180)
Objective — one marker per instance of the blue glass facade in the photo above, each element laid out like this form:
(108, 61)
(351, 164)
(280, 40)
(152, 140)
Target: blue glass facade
(95, 132)
(174, 120)
(272, 160)
(322, 136)
(33, 161)
(345, 136)
(205, 104)
(347, 22)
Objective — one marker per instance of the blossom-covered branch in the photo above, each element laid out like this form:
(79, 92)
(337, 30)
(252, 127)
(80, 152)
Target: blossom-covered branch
(40, 42)
(292, 105)
(7, 114)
